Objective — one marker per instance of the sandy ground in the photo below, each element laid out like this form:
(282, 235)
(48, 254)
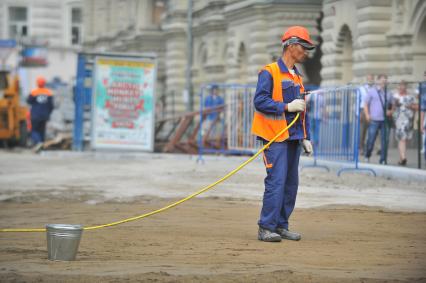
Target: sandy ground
(356, 228)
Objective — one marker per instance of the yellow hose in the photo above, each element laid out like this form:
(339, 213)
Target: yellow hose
(175, 203)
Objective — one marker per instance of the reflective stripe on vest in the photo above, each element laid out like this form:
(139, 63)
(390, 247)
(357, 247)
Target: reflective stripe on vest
(268, 126)
(41, 91)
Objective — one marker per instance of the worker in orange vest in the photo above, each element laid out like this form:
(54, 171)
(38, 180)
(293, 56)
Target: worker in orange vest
(277, 101)
(41, 101)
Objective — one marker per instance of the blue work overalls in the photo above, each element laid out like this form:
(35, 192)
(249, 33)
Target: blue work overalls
(41, 101)
(281, 158)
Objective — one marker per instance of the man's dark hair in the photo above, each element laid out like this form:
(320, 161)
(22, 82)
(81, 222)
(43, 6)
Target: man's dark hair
(214, 89)
(382, 76)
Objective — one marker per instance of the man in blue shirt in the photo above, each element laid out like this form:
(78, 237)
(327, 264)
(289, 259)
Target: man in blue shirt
(211, 101)
(377, 105)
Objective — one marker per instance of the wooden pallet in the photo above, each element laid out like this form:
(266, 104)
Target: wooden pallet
(180, 133)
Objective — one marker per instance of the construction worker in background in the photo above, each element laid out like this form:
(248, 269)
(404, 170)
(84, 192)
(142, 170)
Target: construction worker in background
(212, 121)
(277, 101)
(41, 101)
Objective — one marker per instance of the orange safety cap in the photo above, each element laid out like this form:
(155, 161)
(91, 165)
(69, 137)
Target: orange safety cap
(41, 82)
(297, 31)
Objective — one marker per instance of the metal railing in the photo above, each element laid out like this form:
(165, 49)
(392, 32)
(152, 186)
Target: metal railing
(334, 123)
(228, 129)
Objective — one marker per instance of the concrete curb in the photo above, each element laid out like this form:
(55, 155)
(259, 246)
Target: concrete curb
(386, 171)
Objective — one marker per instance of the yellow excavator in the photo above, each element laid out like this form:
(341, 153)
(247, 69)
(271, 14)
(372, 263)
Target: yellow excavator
(13, 116)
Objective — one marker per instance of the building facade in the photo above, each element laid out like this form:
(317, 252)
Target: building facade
(57, 25)
(233, 39)
(373, 37)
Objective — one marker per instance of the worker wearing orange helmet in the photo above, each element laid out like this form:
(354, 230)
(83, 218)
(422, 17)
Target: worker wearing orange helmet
(41, 101)
(277, 100)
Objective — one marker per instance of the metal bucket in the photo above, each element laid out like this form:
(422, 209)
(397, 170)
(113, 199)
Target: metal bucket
(63, 241)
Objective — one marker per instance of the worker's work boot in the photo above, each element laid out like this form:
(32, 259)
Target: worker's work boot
(285, 234)
(268, 236)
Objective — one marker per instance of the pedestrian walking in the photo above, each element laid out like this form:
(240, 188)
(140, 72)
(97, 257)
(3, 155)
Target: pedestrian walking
(377, 105)
(405, 107)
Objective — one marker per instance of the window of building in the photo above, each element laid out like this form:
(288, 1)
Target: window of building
(76, 25)
(18, 22)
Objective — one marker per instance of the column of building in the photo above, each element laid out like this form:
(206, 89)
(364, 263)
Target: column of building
(215, 66)
(145, 12)
(400, 39)
(330, 72)
(257, 54)
(175, 27)
(372, 52)
(232, 68)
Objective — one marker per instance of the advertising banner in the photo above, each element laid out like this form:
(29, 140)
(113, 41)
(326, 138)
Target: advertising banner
(34, 56)
(123, 103)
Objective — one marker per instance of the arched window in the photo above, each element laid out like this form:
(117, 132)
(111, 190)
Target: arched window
(344, 48)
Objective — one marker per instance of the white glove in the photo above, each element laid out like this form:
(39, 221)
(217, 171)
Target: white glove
(297, 105)
(307, 147)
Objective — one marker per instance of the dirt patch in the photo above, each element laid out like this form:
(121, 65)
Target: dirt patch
(214, 240)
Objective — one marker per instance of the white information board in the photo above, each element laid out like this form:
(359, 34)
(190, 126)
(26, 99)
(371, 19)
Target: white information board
(123, 103)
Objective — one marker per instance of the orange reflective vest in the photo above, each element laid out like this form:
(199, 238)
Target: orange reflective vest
(41, 91)
(41, 101)
(267, 126)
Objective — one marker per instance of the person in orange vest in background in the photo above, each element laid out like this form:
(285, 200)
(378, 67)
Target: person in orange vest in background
(41, 101)
(277, 101)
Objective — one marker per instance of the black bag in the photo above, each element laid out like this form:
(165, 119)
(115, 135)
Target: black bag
(389, 121)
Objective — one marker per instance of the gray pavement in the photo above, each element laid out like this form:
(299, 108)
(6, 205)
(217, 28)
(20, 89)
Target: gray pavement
(94, 177)
(393, 158)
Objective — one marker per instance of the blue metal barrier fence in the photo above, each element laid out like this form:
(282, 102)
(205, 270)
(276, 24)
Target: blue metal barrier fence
(334, 118)
(227, 130)
(335, 126)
